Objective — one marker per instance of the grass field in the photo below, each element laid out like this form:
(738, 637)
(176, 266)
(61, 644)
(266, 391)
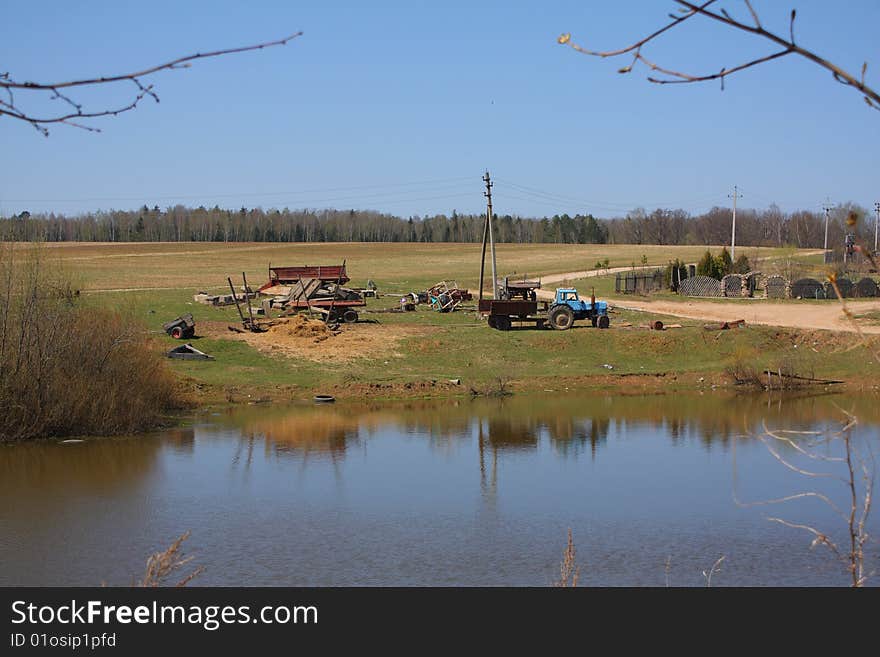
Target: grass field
(395, 267)
(402, 354)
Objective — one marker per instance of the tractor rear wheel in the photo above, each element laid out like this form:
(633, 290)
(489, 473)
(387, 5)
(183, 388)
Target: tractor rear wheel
(561, 318)
(604, 322)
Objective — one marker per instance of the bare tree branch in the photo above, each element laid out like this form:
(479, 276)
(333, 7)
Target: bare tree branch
(690, 9)
(13, 110)
(858, 465)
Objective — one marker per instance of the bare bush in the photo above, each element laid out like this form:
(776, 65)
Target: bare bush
(162, 565)
(68, 369)
(569, 571)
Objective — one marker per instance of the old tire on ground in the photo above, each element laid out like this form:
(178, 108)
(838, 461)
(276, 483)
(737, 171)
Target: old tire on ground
(502, 323)
(350, 316)
(604, 322)
(561, 318)
(177, 333)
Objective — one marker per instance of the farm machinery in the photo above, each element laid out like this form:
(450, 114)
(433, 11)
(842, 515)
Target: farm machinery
(316, 288)
(517, 300)
(560, 314)
(180, 327)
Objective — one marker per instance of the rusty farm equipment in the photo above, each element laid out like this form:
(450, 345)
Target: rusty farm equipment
(447, 296)
(560, 314)
(318, 289)
(524, 289)
(181, 327)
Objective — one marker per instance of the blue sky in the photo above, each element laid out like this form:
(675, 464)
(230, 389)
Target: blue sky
(401, 106)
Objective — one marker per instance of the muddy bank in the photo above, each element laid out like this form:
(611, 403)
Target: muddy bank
(200, 394)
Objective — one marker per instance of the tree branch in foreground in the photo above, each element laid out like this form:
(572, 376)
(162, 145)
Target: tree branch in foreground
(74, 111)
(687, 10)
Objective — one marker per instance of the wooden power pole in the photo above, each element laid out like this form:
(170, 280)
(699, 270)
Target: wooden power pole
(488, 232)
(735, 196)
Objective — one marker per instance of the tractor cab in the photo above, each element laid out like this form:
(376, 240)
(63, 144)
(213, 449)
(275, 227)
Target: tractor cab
(570, 298)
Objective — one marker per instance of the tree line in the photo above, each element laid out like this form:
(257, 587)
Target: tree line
(768, 227)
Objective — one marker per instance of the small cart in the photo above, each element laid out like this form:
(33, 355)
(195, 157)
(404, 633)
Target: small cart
(181, 327)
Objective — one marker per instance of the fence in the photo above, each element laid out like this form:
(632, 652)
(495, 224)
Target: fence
(639, 282)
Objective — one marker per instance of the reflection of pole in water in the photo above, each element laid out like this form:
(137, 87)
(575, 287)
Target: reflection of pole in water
(249, 441)
(482, 457)
(490, 491)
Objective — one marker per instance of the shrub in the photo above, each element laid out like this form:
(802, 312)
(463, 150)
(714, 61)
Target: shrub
(707, 266)
(725, 264)
(676, 271)
(716, 267)
(742, 265)
(66, 369)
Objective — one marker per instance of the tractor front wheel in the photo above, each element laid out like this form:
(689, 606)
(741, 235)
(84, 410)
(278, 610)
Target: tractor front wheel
(561, 318)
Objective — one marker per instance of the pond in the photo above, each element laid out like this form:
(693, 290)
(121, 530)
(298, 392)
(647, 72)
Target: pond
(654, 488)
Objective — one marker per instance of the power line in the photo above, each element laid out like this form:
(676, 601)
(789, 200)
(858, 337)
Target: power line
(605, 205)
(236, 195)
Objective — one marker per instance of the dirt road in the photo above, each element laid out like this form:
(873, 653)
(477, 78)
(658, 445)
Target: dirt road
(828, 316)
(757, 311)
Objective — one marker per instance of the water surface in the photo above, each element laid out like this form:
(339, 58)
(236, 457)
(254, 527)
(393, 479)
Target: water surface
(478, 492)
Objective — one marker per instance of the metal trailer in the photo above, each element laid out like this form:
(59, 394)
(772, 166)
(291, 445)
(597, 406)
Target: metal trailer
(520, 288)
(289, 275)
(336, 310)
(181, 327)
(502, 313)
(317, 288)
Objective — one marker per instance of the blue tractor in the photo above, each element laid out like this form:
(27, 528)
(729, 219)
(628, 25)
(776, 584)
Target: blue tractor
(568, 307)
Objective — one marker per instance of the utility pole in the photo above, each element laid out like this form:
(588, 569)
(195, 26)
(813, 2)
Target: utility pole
(735, 196)
(488, 195)
(876, 221)
(827, 209)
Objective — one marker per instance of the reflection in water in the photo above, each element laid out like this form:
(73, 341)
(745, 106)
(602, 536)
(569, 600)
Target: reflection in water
(571, 425)
(105, 466)
(570, 438)
(444, 492)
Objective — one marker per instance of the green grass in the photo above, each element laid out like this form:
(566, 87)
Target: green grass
(449, 346)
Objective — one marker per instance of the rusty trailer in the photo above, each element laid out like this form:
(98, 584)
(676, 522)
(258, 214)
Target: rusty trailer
(316, 288)
(502, 313)
(286, 276)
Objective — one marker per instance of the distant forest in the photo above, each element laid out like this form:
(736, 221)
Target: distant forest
(769, 227)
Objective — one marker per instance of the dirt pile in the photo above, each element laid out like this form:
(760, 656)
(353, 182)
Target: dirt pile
(300, 326)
